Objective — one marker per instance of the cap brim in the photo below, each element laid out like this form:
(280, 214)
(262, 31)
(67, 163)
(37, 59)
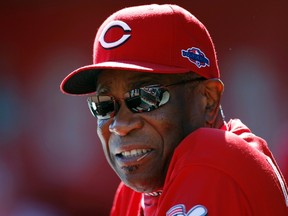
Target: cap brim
(83, 80)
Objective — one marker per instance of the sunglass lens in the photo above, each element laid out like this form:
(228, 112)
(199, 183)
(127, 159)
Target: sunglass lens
(148, 99)
(102, 109)
(105, 109)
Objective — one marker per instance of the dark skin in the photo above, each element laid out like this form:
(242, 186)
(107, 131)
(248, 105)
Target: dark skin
(156, 134)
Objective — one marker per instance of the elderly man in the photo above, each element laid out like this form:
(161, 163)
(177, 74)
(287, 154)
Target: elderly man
(155, 89)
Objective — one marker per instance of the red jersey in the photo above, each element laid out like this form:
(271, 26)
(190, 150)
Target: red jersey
(216, 172)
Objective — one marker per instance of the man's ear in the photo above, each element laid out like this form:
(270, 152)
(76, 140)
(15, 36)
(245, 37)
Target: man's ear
(213, 92)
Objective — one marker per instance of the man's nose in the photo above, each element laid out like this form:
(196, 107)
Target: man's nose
(124, 122)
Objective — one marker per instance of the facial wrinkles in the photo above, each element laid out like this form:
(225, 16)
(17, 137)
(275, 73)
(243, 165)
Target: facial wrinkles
(105, 146)
(163, 145)
(169, 135)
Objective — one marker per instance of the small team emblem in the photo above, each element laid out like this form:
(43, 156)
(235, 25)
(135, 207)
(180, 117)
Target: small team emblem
(196, 56)
(126, 35)
(179, 210)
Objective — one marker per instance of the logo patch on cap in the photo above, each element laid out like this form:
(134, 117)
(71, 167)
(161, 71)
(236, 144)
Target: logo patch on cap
(196, 56)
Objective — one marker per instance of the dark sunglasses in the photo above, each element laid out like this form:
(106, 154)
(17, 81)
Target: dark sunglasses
(144, 99)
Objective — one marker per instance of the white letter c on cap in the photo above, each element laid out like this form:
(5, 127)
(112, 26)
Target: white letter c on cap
(124, 38)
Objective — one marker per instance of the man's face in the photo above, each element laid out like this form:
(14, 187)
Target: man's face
(139, 146)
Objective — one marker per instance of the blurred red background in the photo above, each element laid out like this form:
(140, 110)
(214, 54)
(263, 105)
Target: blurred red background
(51, 162)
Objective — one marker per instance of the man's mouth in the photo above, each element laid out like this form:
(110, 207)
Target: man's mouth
(133, 155)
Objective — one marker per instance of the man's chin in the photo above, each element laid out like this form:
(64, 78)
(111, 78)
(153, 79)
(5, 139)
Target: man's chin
(142, 185)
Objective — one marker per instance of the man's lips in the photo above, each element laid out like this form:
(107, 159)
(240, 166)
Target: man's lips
(132, 156)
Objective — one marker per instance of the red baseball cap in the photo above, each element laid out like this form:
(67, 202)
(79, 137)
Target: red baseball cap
(164, 39)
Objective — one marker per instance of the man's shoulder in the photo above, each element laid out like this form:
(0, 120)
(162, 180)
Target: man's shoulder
(209, 159)
(227, 154)
(219, 148)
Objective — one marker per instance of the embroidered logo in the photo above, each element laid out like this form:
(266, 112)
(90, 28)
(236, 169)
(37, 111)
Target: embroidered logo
(179, 210)
(123, 39)
(196, 56)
